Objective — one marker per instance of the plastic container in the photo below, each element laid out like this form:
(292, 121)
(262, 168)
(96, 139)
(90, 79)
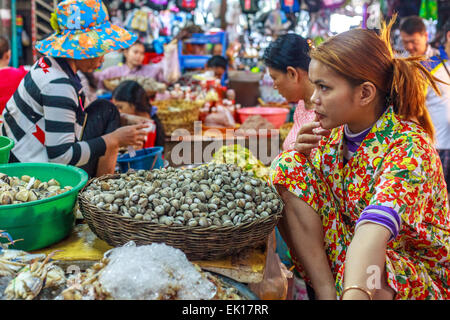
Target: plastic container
(6, 144)
(276, 116)
(146, 159)
(43, 222)
(246, 86)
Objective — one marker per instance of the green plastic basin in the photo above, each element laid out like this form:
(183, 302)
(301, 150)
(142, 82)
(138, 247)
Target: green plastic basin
(42, 223)
(6, 144)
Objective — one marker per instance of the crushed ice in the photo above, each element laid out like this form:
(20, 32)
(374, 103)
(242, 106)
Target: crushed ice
(155, 271)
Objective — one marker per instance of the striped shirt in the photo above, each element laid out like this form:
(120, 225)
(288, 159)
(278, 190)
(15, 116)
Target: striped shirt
(381, 215)
(45, 116)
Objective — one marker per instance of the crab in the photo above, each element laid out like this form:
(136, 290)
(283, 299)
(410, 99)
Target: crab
(86, 285)
(30, 280)
(8, 267)
(6, 235)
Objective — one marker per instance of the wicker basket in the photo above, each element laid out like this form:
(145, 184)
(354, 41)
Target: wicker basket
(177, 114)
(198, 243)
(111, 85)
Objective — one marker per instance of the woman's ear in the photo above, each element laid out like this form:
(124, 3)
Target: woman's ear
(293, 74)
(7, 55)
(367, 93)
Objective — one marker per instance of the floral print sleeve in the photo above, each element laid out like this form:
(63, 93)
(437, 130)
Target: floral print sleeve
(400, 180)
(407, 182)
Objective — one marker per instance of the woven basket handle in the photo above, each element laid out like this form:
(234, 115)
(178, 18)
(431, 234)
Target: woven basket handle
(153, 164)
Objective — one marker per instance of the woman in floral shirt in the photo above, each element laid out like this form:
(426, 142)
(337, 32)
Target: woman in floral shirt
(367, 217)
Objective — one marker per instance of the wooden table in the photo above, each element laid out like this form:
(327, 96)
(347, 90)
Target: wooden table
(81, 249)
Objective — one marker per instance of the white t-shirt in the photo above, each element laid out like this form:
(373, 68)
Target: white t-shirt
(439, 108)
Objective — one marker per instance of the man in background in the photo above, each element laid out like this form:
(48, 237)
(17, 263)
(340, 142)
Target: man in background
(414, 35)
(439, 106)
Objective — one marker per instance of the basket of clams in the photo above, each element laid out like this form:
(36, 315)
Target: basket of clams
(208, 212)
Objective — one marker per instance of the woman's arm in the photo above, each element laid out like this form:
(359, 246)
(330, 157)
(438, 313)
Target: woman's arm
(60, 101)
(365, 263)
(302, 229)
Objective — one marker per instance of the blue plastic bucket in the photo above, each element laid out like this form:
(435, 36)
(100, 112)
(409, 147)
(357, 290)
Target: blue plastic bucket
(146, 159)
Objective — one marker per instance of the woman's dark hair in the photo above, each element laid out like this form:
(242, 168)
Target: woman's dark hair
(4, 46)
(217, 61)
(132, 92)
(289, 50)
(136, 43)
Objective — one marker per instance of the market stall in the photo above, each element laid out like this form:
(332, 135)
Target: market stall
(217, 216)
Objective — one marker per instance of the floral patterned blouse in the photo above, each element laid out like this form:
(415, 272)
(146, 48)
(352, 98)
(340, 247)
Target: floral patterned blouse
(395, 166)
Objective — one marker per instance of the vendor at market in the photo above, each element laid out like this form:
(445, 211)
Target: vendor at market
(132, 66)
(287, 59)
(131, 99)
(367, 216)
(47, 117)
(219, 65)
(10, 77)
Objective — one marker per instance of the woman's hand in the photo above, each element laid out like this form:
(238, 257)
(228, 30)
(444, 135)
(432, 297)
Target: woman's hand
(130, 119)
(127, 136)
(309, 136)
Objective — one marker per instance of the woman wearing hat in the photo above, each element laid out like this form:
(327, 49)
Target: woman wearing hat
(47, 117)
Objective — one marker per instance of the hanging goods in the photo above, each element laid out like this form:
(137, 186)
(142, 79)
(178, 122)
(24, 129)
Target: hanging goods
(249, 6)
(333, 4)
(429, 10)
(187, 5)
(290, 6)
(313, 5)
(126, 5)
(158, 4)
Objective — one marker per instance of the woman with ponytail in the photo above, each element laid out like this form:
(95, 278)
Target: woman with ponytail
(367, 216)
(287, 60)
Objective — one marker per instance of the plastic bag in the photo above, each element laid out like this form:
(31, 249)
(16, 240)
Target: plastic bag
(158, 4)
(222, 117)
(274, 285)
(171, 64)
